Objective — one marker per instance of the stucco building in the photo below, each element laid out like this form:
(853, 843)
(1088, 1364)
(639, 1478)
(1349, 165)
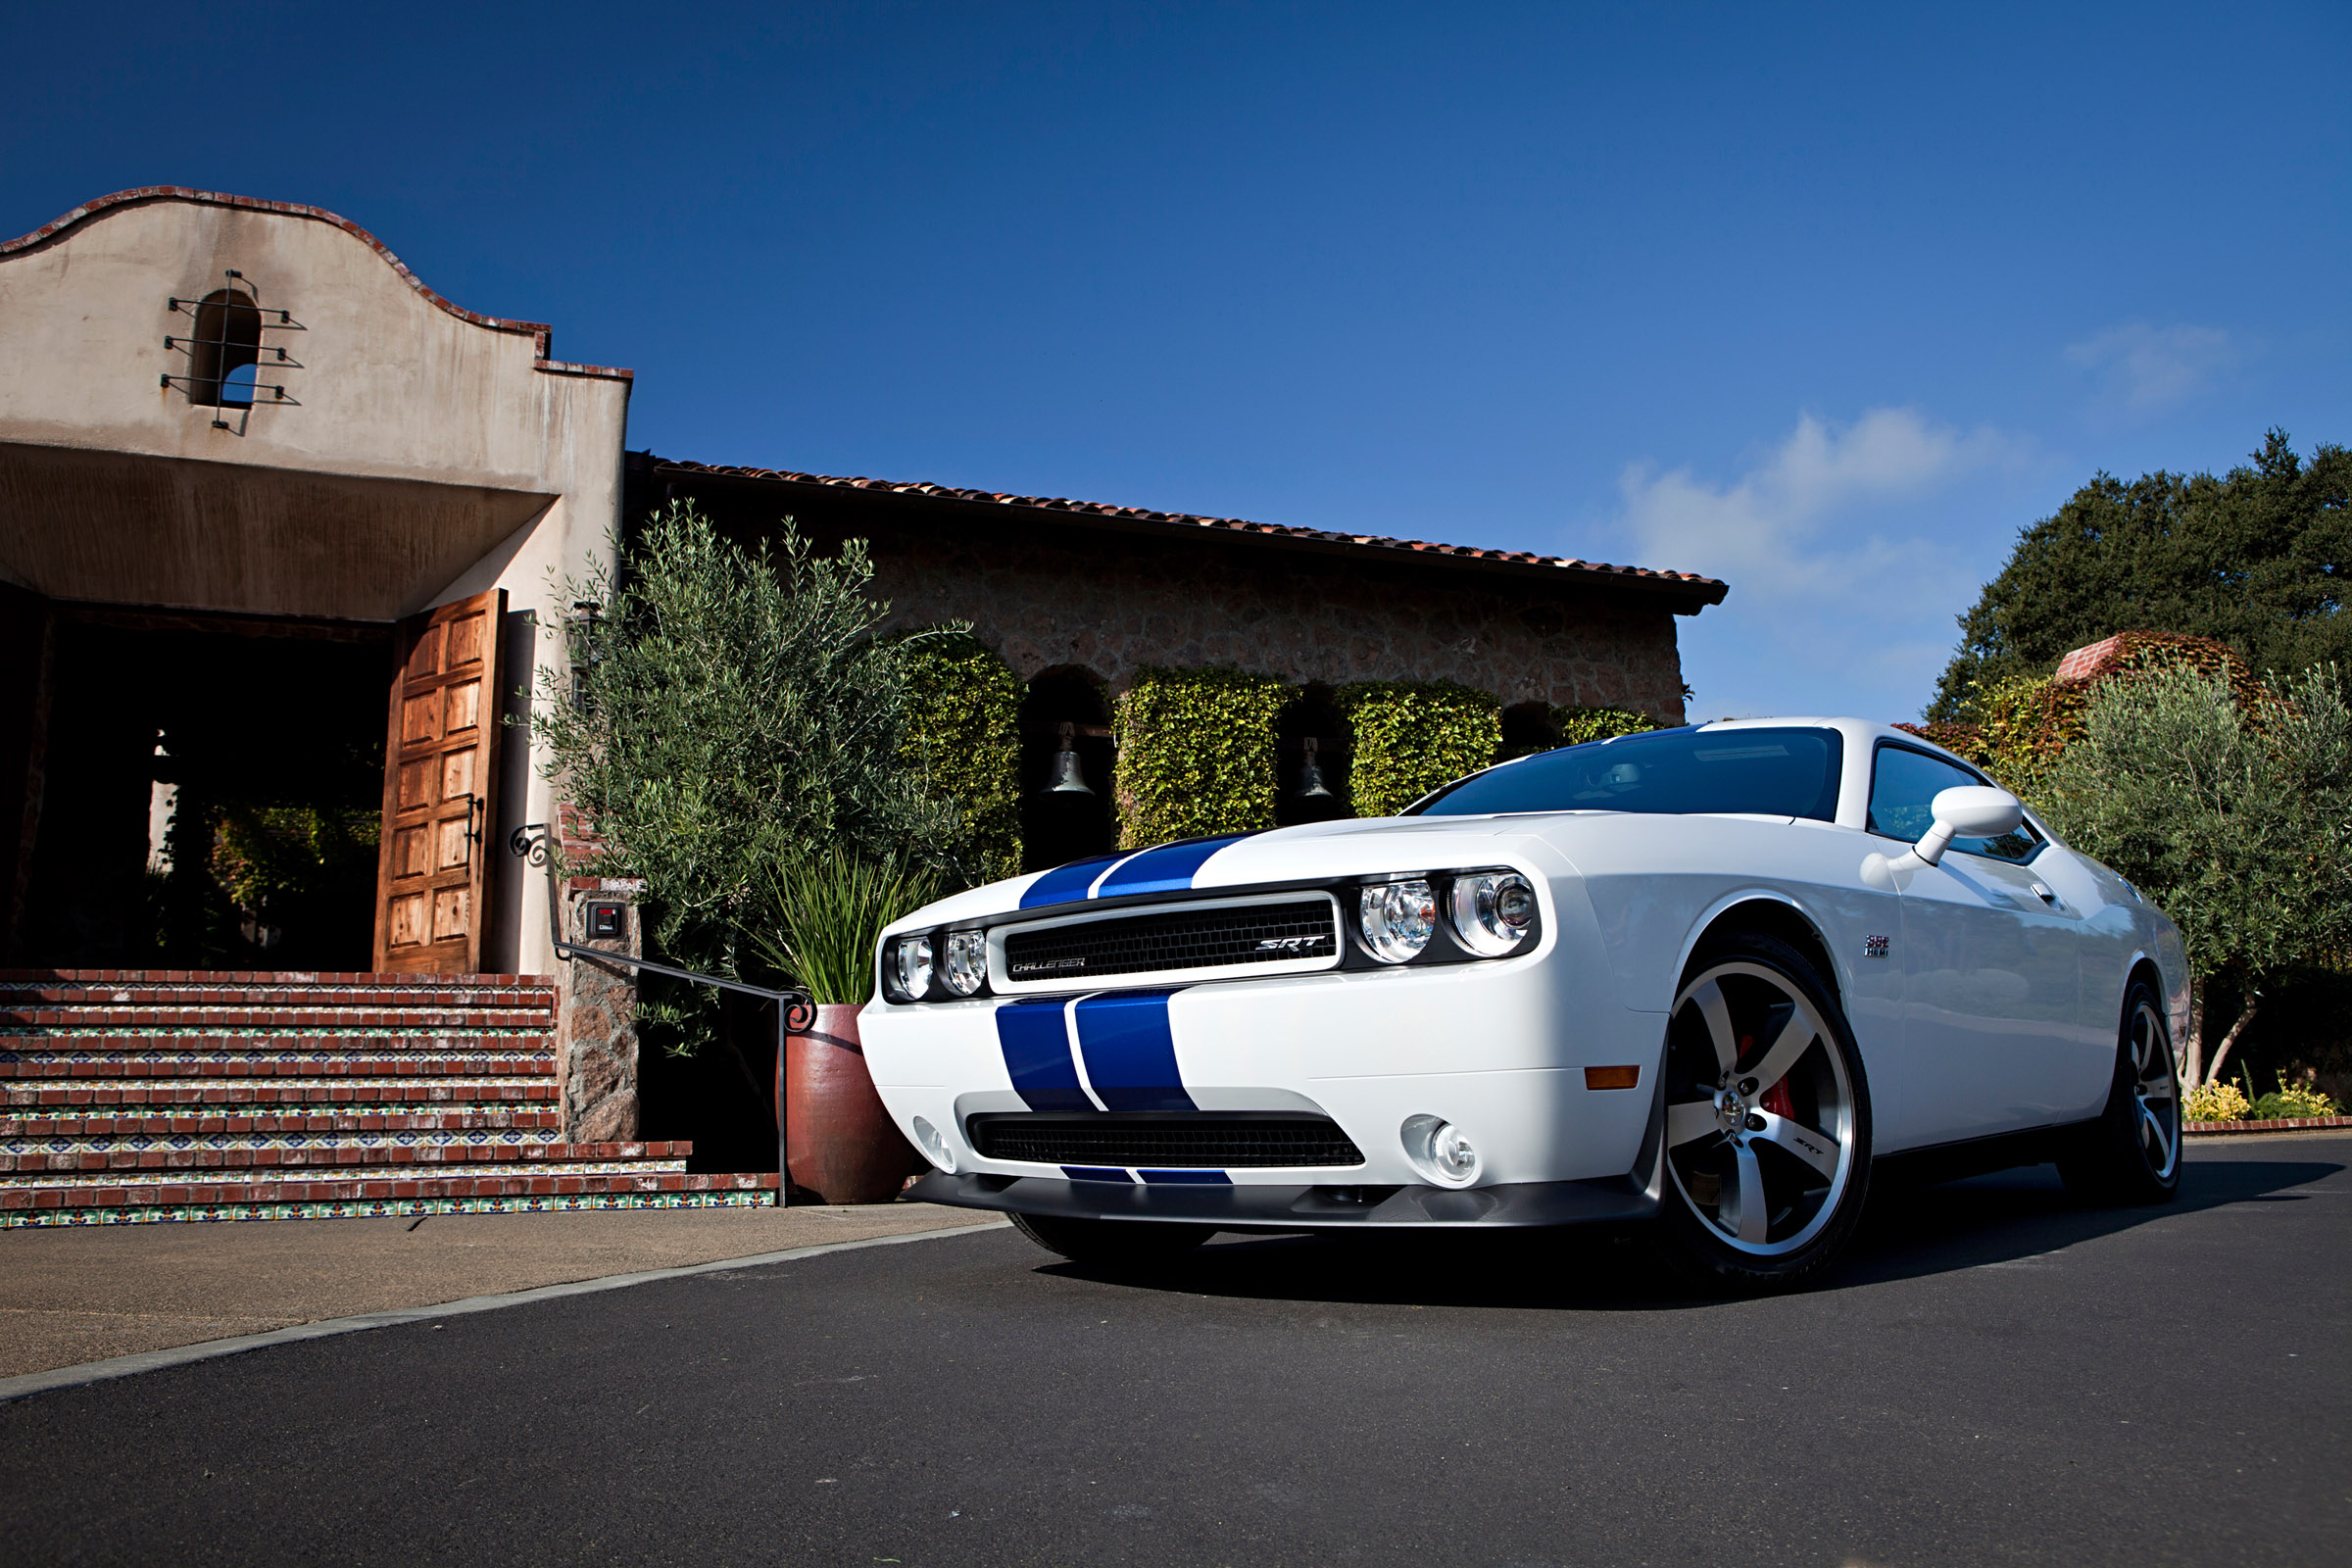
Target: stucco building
(278, 526)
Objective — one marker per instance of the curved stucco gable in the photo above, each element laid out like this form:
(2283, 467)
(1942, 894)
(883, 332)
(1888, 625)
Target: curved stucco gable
(384, 377)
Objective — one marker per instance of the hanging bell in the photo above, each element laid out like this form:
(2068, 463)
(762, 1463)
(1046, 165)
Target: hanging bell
(1067, 779)
(1310, 777)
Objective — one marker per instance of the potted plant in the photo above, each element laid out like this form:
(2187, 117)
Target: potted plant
(830, 913)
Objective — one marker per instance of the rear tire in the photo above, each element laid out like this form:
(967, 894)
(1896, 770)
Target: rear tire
(2132, 1154)
(1767, 1143)
(1112, 1243)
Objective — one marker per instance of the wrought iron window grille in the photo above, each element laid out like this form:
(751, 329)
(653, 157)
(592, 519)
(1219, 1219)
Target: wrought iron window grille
(227, 353)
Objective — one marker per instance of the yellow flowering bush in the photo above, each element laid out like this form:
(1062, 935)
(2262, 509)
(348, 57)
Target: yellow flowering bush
(2216, 1102)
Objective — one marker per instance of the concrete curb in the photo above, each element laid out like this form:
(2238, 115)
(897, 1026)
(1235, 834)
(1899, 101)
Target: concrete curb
(123, 1366)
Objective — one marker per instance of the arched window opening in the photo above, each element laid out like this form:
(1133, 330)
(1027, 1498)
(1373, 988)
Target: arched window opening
(1527, 728)
(1310, 771)
(225, 349)
(1066, 769)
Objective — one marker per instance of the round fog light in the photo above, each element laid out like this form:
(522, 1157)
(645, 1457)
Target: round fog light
(1439, 1150)
(934, 1147)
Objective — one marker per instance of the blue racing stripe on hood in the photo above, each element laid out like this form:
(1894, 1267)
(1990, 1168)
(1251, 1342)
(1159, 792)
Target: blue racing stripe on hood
(1130, 1050)
(1035, 1037)
(1065, 884)
(1167, 869)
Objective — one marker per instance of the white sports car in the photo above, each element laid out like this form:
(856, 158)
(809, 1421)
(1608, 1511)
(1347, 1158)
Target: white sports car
(1700, 976)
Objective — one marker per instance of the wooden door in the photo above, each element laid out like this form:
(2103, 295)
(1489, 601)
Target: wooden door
(440, 777)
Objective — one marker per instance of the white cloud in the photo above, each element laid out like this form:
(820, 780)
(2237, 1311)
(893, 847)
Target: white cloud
(2146, 369)
(1848, 549)
(1767, 529)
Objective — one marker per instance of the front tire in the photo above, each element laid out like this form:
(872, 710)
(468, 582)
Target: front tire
(1113, 1244)
(1767, 1143)
(2132, 1154)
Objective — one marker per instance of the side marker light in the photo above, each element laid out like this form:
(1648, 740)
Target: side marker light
(1612, 1077)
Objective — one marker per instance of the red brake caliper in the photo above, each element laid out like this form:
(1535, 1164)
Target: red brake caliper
(1776, 1097)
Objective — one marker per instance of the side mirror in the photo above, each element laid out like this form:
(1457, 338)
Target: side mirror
(1971, 812)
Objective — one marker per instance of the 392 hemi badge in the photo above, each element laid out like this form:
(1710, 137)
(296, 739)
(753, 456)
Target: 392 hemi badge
(1874, 946)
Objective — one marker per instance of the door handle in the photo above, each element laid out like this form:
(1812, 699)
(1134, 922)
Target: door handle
(2041, 891)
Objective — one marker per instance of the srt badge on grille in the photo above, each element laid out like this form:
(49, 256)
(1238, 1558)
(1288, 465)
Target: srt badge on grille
(1286, 944)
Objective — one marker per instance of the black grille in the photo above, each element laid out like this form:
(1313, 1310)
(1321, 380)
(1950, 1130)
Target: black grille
(1175, 1140)
(1181, 939)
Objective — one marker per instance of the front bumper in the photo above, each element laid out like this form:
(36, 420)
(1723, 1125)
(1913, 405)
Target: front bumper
(1262, 1207)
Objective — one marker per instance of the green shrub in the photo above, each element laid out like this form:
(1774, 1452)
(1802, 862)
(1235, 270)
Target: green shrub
(1408, 737)
(964, 736)
(1196, 754)
(735, 712)
(1577, 725)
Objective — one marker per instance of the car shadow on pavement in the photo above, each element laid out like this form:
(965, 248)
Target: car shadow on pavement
(1909, 1231)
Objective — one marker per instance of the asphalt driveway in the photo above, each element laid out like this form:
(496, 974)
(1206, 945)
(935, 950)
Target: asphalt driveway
(1997, 1377)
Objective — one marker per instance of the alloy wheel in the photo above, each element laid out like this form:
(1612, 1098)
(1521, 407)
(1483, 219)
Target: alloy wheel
(1760, 1123)
(2155, 1092)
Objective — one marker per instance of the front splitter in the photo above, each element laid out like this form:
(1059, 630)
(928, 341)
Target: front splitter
(1611, 1199)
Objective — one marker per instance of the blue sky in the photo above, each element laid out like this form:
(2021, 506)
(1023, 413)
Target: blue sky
(1827, 301)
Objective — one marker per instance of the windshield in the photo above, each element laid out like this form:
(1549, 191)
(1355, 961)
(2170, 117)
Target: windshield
(1771, 772)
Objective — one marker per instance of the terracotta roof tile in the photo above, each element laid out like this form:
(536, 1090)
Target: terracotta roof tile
(1706, 590)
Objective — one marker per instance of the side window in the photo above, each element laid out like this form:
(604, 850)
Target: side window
(1903, 786)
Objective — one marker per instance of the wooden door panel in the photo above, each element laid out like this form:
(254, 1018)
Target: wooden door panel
(440, 774)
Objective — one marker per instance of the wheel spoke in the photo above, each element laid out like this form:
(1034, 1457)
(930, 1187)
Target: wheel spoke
(1784, 1050)
(2159, 1087)
(1707, 996)
(2162, 1135)
(1691, 1120)
(1817, 1150)
(1755, 1218)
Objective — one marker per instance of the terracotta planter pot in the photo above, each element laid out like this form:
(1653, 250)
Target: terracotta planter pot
(842, 1144)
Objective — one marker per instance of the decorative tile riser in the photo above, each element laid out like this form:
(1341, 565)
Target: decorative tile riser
(619, 1177)
(383, 1208)
(317, 1043)
(40, 1125)
(17, 1020)
(48, 1166)
(18, 994)
(119, 1065)
(449, 1092)
(130, 1146)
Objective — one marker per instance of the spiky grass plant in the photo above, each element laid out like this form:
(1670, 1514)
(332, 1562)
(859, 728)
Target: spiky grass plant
(830, 911)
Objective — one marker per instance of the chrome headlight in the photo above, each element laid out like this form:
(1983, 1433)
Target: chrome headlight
(1398, 918)
(1493, 912)
(910, 960)
(966, 966)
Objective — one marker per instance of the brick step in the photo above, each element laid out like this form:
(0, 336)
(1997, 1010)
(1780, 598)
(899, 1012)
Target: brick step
(359, 1187)
(115, 1065)
(68, 1122)
(330, 1157)
(759, 1197)
(104, 1096)
(18, 1018)
(98, 1042)
(109, 980)
(233, 1160)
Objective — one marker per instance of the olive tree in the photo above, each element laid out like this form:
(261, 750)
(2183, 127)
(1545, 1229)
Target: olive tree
(2234, 817)
(727, 712)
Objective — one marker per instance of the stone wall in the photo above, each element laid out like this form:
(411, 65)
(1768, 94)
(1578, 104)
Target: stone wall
(597, 1028)
(1046, 595)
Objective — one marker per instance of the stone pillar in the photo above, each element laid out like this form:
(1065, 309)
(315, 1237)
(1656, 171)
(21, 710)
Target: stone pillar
(596, 1035)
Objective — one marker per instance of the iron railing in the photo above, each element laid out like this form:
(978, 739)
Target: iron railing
(796, 1009)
